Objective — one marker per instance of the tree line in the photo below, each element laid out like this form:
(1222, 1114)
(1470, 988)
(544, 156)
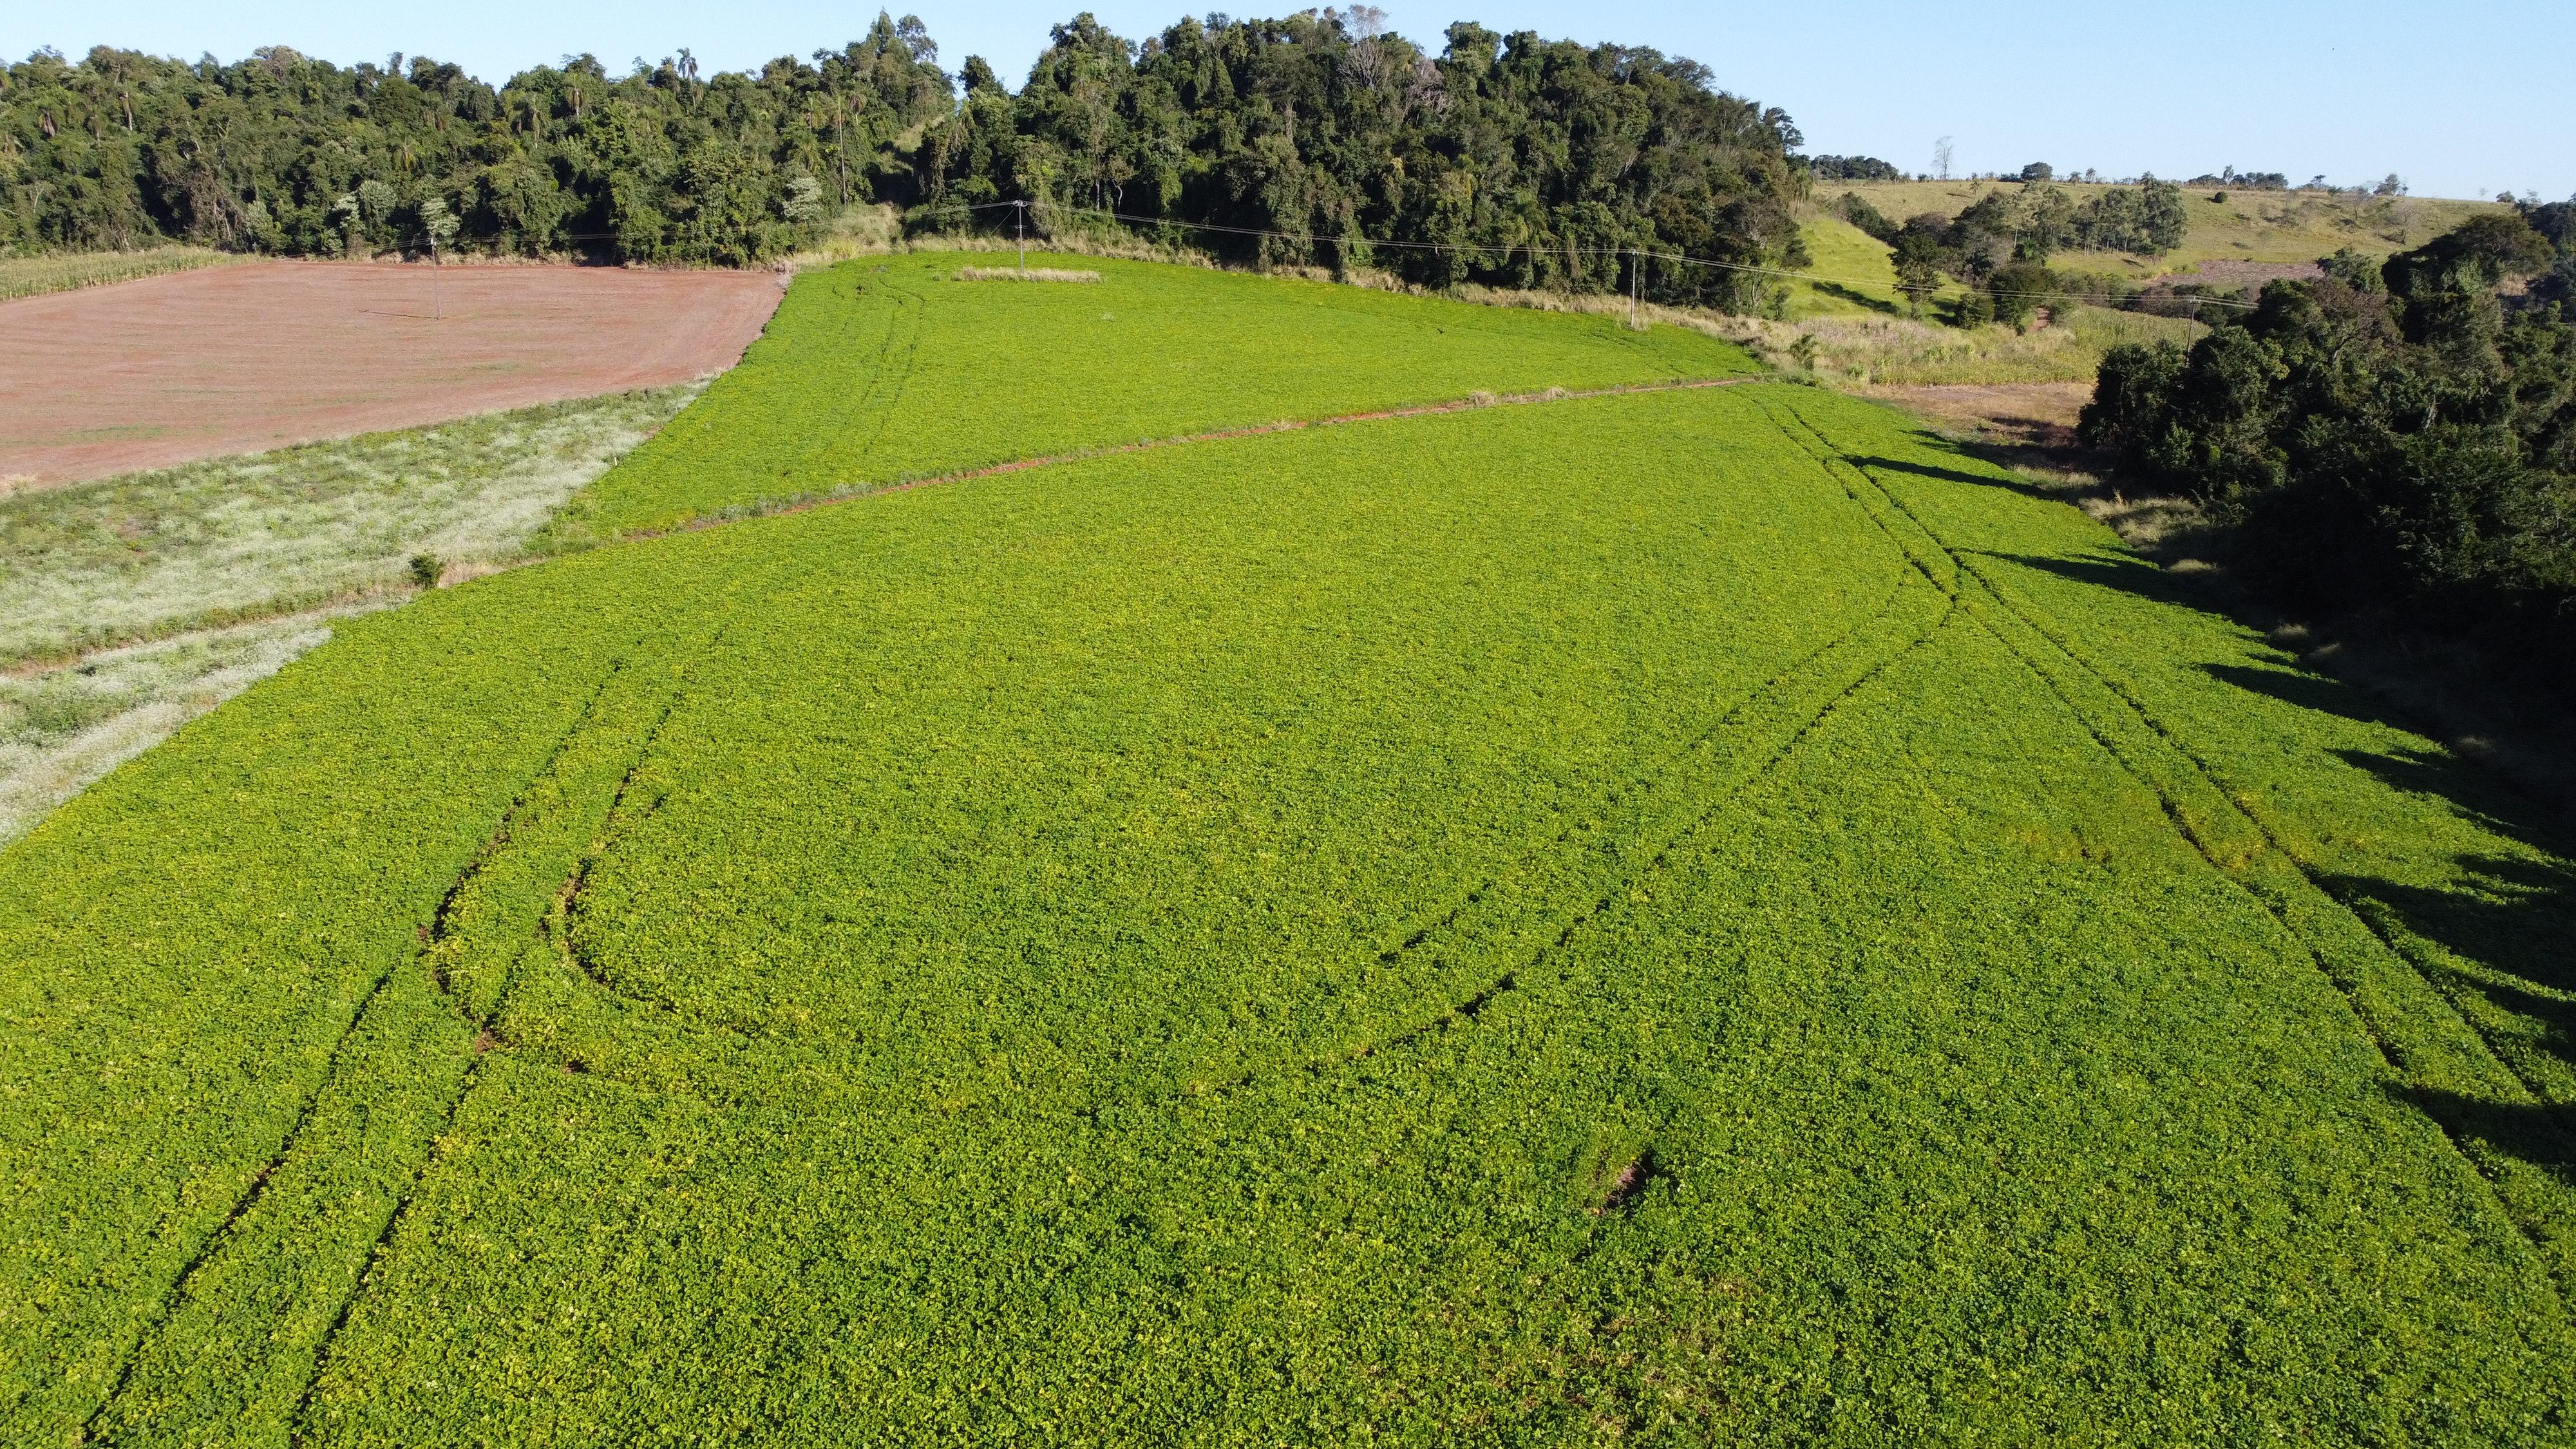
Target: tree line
(2394, 436)
(1497, 158)
(286, 154)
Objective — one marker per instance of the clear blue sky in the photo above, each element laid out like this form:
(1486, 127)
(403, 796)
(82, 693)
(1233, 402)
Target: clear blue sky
(2463, 98)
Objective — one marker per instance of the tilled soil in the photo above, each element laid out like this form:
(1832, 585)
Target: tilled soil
(240, 359)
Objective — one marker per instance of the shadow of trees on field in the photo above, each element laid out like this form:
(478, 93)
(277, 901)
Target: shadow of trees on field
(2304, 690)
(1841, 293)
(2493, 928)
(1949, 475)
(2538, 1135)
(2125, 572)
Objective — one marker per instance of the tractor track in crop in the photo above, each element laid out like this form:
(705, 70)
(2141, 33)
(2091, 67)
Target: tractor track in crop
(1781, 685)
(220, 1236)
(485, 1022)
(1827, 455)
(1625, 885)
(915, 307)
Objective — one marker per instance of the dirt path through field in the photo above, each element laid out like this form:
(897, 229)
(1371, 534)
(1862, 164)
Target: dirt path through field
(240, 359)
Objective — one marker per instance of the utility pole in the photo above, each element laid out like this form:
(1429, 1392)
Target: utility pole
(1636, 266)
(1020, 215)
(437, 313)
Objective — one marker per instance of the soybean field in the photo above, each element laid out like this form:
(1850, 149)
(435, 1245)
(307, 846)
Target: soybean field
(1675, 907)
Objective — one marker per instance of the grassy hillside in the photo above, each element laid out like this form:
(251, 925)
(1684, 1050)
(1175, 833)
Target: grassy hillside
(1863, 277)
(2249, 226)
(1702, 916)
(1855, 328)
(877, 372)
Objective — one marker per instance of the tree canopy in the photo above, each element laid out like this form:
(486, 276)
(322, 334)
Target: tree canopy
(1504, 159)
(1507, 160)
(284, 153)
(2404, 436)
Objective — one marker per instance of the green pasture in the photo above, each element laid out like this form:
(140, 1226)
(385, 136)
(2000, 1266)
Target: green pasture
(1862, 278)
(1696, 917)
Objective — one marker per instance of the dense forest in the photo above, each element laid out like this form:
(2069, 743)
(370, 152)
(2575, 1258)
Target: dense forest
(2397, 435)
(1505, 159)
(283, 153)
(1502, 159)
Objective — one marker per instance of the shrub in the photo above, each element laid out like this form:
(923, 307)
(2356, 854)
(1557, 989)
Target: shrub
(2017, 292)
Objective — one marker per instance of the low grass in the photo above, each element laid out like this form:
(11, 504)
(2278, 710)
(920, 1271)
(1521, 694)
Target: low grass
(878, 373)
(65, 271)
(1704, 916)
(1863, 279)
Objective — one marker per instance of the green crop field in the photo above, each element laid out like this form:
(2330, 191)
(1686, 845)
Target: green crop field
(882, 372)
(1691, 916)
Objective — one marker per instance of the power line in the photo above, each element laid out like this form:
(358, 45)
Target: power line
(1675, 258)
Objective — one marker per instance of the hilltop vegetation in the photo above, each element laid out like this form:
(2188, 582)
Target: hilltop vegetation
(1504, 160)
(1501, 159)
(878, 373)
(2266, 227)
(1686, 916)
(288, 154)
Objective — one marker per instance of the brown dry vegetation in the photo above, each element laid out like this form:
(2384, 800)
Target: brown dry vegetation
(1024, 274)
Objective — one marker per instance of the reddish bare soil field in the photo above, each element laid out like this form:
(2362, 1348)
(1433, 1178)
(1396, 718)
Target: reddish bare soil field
(239, 359)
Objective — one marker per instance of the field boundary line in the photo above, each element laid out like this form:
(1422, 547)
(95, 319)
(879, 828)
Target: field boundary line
(855, 493)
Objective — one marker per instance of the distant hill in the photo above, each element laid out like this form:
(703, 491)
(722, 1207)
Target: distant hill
(2249, 226)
